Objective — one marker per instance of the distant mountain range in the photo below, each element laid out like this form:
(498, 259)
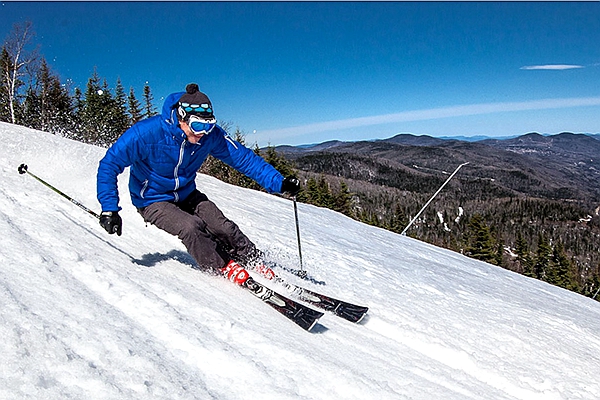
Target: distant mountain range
(425, 140)
(562, 166)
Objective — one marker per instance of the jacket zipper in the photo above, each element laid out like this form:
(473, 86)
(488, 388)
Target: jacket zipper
(176, 171)
(144, 187)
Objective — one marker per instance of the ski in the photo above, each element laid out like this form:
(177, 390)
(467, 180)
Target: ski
(348, 311)
(303, 316)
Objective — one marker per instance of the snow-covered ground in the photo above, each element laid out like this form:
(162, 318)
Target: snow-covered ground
(85, 315)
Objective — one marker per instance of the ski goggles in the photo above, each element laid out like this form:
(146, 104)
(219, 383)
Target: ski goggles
(201, 126)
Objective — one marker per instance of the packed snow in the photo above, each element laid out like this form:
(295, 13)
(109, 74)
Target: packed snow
(87, 315)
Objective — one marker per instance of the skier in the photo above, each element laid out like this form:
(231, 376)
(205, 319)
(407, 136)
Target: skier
(165, 152)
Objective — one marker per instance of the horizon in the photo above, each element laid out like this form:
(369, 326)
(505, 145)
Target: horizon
(306, 72)
(476, 138)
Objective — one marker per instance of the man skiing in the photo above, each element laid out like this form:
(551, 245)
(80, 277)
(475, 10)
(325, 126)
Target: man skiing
(164, 153)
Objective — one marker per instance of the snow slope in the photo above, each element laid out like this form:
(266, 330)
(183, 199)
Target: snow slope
(86, 315)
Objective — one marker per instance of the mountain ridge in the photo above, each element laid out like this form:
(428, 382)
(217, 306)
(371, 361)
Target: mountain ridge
(564, 162)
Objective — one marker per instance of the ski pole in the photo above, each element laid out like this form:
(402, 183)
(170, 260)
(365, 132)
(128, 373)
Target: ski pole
(302, 272)
(23, 169)
(432, 197)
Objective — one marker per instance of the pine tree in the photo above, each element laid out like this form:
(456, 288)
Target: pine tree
(561, 271)
(149, 109)
(324, 192)
(48, 104)
(109, 116)
(499, 255)
(343, 200)
(102, 118)
(310, 193)
(523, 256)
(91, 126)
(120, 118)
(542, 259)
(5, 67)
(135, 112)
(279, 162)
(481, 245)
(78, 110)
(399, 219)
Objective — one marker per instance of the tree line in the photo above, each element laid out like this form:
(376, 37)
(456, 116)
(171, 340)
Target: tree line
(32, 95)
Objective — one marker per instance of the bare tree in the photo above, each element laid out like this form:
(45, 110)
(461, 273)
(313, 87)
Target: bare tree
(18, 62)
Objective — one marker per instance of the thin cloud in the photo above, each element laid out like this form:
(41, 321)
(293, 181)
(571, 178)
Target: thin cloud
(430, 114)
(554, 67)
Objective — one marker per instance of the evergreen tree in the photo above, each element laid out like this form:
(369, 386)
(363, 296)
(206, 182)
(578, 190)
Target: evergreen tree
(5, 67)
(102, 119)
(542, 259)
(149, 109)
(135, 111)
(91, 125)
(109, 116)
(499, 255)
(523, 256)
(310, 192)
(48, 104)
(78, 110)
(119, 113)
(481, 245)
(343, 200)
(324, 192)
(399, 219)
(279, 162)
(561, 272)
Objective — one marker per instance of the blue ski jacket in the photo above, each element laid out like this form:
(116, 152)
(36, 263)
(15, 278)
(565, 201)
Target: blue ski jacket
(164, 164)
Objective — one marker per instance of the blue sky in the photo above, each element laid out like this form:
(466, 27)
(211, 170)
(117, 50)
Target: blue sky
(306, 72)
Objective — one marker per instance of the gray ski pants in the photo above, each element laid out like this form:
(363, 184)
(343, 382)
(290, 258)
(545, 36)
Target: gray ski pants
(210, 237)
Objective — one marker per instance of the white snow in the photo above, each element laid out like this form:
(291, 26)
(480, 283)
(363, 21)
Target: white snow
(87, 315)
(461, 211)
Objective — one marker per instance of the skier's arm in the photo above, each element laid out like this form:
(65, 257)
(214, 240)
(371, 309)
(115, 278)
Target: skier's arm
(119, 156)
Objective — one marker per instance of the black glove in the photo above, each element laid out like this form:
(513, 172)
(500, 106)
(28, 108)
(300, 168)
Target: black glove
(111, 221)
(290, 185)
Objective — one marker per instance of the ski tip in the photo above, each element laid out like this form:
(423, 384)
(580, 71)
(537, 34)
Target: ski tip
(309, 319)
(351, 312)
(363, 319)
(310, 328)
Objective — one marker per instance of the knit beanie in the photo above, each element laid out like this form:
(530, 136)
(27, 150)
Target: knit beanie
(194, 102)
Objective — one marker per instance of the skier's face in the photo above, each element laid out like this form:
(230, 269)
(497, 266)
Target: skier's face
(191, 136)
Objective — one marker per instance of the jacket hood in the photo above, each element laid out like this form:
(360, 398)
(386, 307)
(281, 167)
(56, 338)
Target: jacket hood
(169, 110)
